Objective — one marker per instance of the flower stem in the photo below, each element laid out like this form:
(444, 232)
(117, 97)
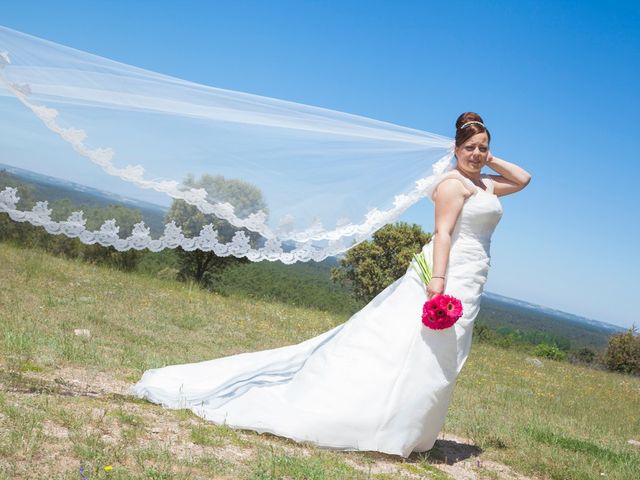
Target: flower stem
(422, 269)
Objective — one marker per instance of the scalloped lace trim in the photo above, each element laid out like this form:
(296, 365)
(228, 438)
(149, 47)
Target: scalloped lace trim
(140, 238)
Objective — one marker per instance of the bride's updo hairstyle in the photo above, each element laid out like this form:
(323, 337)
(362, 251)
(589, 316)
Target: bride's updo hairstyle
(464, 134)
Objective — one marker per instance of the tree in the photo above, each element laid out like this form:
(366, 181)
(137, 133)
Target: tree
(372, 265)
(205, 267)
(623, 352)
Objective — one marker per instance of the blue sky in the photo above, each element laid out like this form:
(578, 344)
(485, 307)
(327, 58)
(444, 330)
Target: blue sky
(556, 82)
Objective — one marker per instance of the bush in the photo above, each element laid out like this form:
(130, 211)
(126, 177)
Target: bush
(168, 273)
(584, 355)
(552, 352)
(623, 352)
(126, 261)
(482, 332)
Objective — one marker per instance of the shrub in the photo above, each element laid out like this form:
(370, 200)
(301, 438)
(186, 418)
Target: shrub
(584, 355)
(482, 332)
(126, 261)
(623, 352)
(551, 352)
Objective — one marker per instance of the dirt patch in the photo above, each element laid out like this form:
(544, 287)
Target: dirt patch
(456, 456)
(85, 382)
(54, 430)
(66, 381)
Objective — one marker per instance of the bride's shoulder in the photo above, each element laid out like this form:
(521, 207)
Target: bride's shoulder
(452, 182)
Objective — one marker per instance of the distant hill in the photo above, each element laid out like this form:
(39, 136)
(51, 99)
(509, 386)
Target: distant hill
(500, 311)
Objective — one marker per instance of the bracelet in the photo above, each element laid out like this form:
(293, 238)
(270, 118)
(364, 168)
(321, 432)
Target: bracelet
(436, 276)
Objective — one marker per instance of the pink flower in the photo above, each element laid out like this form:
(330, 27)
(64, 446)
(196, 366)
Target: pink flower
(441, 312)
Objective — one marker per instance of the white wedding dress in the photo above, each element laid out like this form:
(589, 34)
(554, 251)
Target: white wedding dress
(380, 381)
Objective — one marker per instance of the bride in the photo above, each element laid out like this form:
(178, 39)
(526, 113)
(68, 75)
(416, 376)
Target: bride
(380, 381)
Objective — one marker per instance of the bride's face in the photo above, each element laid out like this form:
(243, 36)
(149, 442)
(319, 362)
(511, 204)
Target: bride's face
(472, 154)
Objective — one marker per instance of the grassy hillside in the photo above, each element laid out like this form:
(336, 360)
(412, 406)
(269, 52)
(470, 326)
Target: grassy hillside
(63, 402)
(301, 284)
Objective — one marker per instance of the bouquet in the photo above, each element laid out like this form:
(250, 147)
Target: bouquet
(441, 311)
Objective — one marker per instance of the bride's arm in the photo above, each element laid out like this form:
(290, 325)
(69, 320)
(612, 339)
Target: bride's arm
(512, 178)
(449, 198)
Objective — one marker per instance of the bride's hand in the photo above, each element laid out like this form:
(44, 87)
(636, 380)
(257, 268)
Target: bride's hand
(435, 287)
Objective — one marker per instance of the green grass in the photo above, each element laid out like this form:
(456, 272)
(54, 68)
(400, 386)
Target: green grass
(217, 435)
(576, 445)
(275, 465)
(558, 421)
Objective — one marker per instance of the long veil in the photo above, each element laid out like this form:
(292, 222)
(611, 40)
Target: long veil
(197, 167)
